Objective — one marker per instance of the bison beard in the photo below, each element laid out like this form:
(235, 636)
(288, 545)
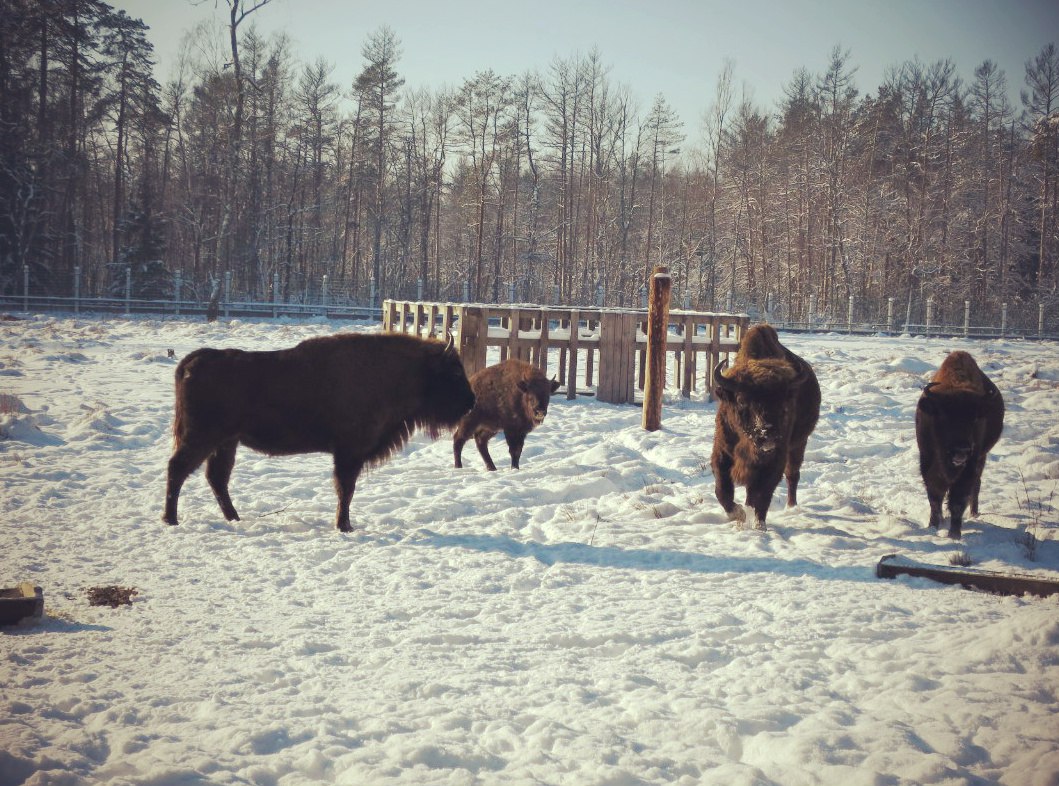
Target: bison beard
(512, 397)
(357, 397)
(959, 418)
(767, 407)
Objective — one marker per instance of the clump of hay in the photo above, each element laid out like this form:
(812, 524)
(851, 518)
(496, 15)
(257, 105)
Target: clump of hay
(112, 596)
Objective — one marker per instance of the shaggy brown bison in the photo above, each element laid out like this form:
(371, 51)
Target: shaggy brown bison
(959, 418)
(768, 404)
(357, 397)
(512, 397)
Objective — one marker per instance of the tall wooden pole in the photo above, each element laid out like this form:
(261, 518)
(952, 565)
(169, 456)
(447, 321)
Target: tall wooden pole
(657, 330)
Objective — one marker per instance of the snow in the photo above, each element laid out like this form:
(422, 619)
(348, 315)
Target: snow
(592, 618)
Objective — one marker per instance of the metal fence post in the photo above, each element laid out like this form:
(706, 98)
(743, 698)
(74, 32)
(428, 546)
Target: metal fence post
(643, 295)
(1040, 320)
(1003, 319)
(930, 314)
(966, 318)
(128, 290)
(812, 311)
(371, 292)
(599, 295)
(730, 301)
(25, 288)
(849, 316)
(178, 285)
(511, 292)
(275, 295)
(323, 293)
(227, 291)
(466, 291)
(889, 315)
(77, 289)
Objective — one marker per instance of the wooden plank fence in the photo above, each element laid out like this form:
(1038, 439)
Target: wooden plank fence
(598, 351)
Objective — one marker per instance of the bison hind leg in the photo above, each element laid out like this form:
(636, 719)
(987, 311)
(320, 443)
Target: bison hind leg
(481, 440)
(347, 470)
(186, 459)
(218, 472)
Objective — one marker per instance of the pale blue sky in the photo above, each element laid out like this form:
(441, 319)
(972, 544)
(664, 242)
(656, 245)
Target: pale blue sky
(676, 47)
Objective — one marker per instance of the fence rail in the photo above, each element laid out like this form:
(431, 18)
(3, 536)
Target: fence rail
(238, 308)
(597, 351)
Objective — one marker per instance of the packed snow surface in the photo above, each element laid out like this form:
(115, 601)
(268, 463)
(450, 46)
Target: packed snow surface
(592, 618)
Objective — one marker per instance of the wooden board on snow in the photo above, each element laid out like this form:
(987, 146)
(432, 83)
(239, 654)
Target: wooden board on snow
(894, 565)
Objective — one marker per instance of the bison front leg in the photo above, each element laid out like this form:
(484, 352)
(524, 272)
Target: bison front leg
(935, 497)
(185, 460)
(515, 442)
(979, 468)
(959, 494)
(793, 472)
(759, 494)
(218, 472)
(724, 488)
(347, 470)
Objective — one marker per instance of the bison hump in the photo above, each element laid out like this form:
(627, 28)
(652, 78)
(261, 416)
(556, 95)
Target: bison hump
(959, 373)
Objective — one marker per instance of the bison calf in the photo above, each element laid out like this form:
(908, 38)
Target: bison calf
(357, 397)
(512, 397)
(959, 418)
(768, 405)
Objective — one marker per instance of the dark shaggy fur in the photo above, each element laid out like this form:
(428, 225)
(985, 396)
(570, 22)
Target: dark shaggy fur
(959, 418)
(357, 397)
(512, 397)
(768, 405)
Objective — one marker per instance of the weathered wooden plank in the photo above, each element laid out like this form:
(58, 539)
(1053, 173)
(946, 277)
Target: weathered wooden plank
(894, 565)
(571, 375)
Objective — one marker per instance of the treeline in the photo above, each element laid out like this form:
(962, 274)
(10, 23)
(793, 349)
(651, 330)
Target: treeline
(252, 164)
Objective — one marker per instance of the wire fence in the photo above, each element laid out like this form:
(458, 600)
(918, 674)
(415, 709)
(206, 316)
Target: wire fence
(171, 294)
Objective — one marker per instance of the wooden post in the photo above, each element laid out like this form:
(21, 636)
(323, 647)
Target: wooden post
(657, 333)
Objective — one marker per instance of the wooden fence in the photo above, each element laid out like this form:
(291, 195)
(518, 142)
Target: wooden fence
(589, 350)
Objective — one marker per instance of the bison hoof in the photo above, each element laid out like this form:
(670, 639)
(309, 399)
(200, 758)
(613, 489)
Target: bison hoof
(955, 534)
(737, 514)
(171, 521)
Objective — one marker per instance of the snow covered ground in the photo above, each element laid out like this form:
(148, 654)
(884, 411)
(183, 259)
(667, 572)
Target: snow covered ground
(590, 619)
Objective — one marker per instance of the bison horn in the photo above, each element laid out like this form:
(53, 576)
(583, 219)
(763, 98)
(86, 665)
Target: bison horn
(927, 387)
(719, 379)
(450, 345)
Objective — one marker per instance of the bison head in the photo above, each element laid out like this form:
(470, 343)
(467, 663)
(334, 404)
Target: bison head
(536, 394)
(957, 420)
(762, 409)
(449, 391)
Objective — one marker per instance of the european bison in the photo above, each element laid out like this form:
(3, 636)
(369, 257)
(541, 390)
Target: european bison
(357, 397)
(959, 418)
(768, 404)
(512, 397)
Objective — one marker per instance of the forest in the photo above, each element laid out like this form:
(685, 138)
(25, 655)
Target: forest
(555, 185)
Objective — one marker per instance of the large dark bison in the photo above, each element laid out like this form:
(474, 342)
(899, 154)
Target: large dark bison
(512, 397)
(959, 418)
(768, 405)
(357, 397)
